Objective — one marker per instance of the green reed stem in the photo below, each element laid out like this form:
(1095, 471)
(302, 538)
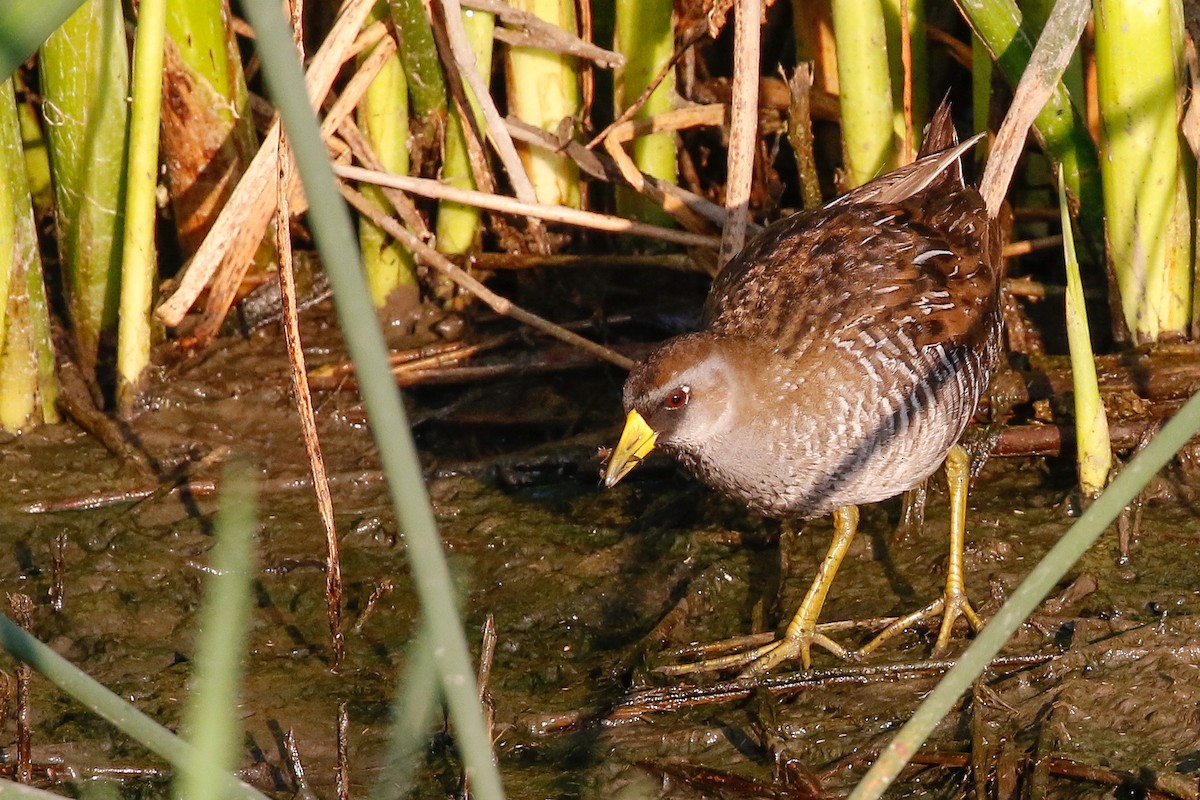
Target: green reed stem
(84, 69)
(457, 223)
(199, 29)
(207, 99)
(1146, 169)
(645, 34)
(28, 385)
(1036, 12)
(919, 54)
(543, 90)
(383, 118)
(36, 152)
(1059, 126)
(868, 133)
(422, 66)
(1092, 444)
(139, 262)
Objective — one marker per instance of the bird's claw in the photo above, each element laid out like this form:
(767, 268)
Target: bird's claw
(763, 658)
(951, 605)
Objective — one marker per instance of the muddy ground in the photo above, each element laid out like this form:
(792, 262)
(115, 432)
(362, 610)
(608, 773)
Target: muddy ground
(589, 590)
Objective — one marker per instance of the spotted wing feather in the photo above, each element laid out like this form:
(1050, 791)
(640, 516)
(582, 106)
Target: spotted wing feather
(914, 252)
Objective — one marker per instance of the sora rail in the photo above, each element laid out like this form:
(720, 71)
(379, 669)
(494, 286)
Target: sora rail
(843, 354)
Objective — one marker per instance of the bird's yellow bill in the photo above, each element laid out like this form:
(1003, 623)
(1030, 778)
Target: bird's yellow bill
(637, 439)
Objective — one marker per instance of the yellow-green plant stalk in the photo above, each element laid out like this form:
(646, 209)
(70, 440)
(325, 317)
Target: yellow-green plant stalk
(1147, 172)
(1059, 126)
(139, 265)
(422, 66)
(543, 90)
(208, 135)
(981, 93)
(383, 118)
(28, 387)
(37, 153)
(919, 54)
(85, 85)
(645, 34)
(868, 135)
(458, 224)
(1092, 446)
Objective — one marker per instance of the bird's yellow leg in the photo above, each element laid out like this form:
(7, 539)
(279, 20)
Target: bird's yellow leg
(953, 603)
(802, 631)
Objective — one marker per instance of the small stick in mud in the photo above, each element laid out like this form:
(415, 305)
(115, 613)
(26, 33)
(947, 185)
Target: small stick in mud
(22, 607)
(343, 752)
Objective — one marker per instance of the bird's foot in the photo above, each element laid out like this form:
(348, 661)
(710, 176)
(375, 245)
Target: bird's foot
(757, 659)
(951, 605)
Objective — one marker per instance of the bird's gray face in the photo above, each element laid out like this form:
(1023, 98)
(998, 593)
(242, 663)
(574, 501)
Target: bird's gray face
(680, 399)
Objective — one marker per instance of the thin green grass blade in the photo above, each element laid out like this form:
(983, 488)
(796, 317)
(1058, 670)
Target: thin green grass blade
(981, 94)
(412, 714)
(211, 718)
(23, 29)
(99, 700)
(335, 239)
(1026, 598)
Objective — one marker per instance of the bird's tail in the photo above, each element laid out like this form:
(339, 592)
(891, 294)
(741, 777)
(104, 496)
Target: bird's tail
(940, 133)
(938, 167)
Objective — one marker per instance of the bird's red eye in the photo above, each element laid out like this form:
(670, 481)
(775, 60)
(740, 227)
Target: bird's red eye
(676, 398)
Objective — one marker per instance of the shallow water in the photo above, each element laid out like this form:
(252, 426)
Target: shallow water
(579, 581)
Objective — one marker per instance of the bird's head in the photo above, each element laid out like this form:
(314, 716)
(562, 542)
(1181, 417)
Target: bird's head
(680, 400)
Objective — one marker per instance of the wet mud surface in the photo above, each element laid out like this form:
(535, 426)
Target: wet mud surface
(590, 589)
